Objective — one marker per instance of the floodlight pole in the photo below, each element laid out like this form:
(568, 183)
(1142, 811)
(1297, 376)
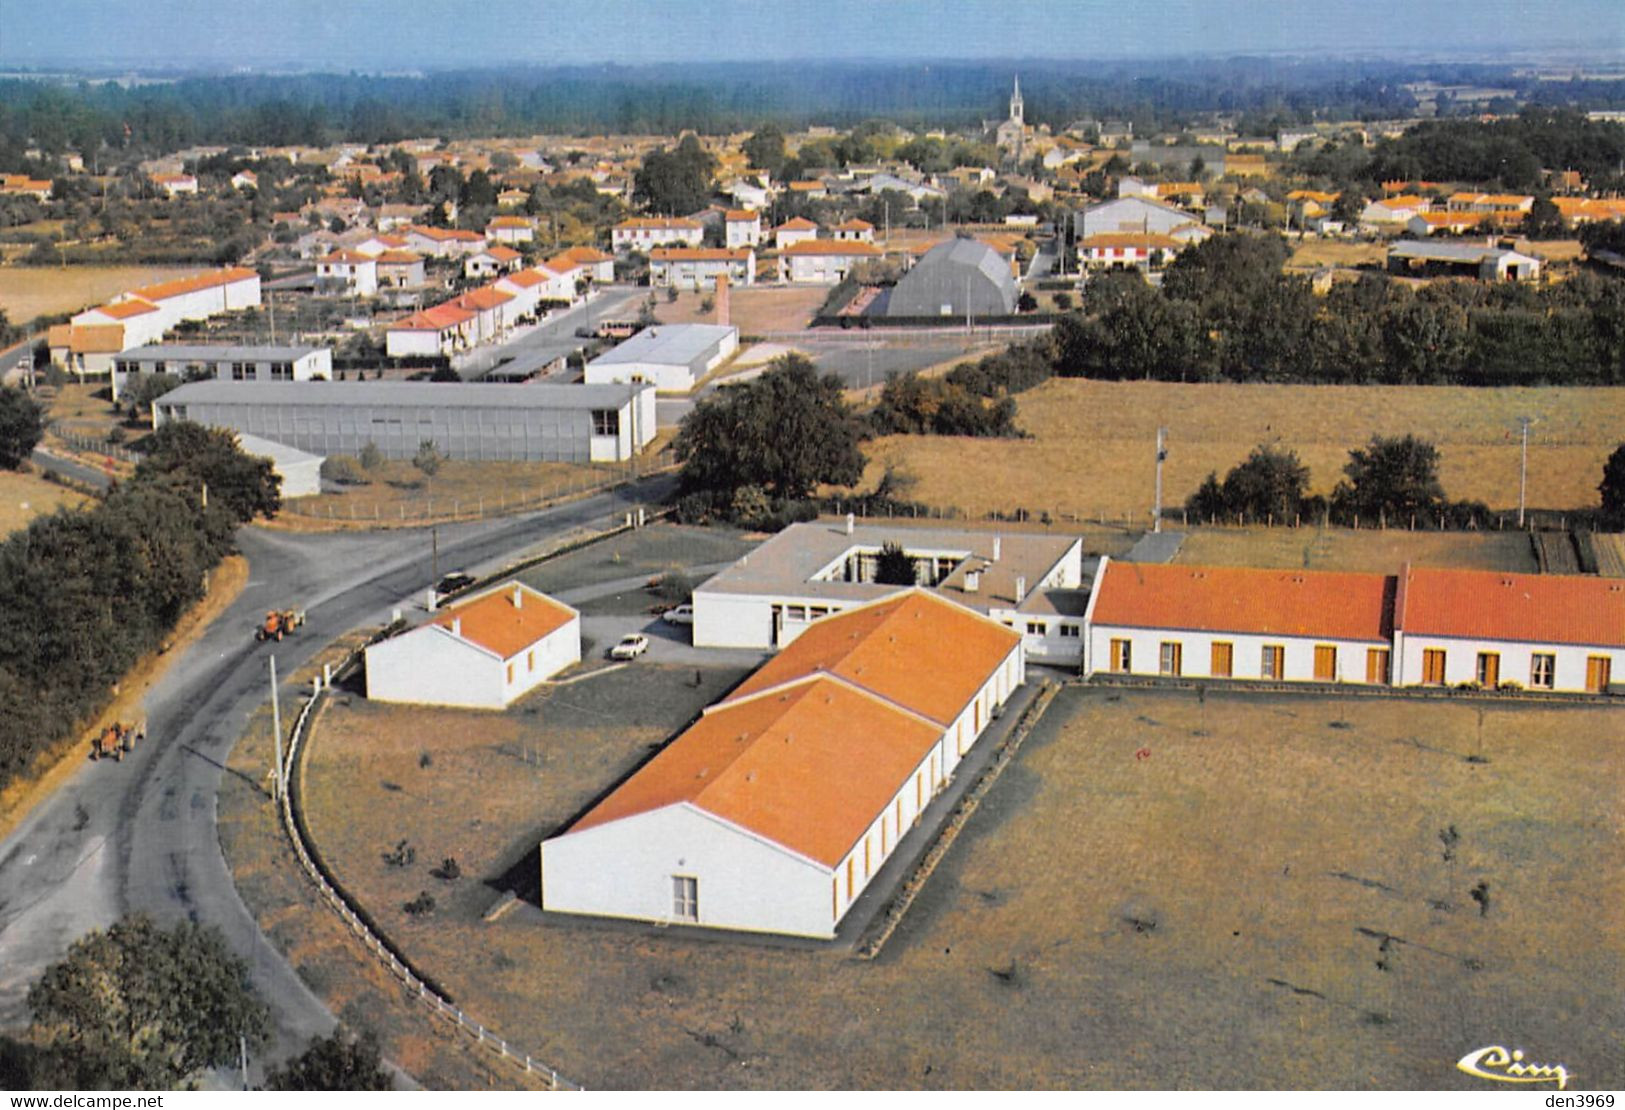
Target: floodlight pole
(1162, 453)
(276, 733)
(1523, 468)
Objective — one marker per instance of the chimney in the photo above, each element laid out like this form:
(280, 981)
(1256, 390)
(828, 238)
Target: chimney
(1021, 588)
(998, 544)
(722, 300)
(457, 626)
(973, 581)
(851, 522)
(518, 596)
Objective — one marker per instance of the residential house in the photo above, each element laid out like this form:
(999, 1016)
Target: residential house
(698, 267)
(510, 230)
(348, 272)
(491, 262)
(644, 233)
(793, 231)
(742, 228)
(823, 261)
(853, 231)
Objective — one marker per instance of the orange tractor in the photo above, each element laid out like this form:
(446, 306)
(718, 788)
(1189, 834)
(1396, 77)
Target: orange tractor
(278, 623)
(116, 739)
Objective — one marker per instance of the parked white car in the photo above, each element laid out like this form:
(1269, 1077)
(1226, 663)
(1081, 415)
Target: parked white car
(680, 614)
(631, 646)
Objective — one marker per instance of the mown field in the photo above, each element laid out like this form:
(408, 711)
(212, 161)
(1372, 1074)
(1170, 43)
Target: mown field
(1278, 893)
(30, 291)
(1382, 552)
(26, 496)
(1092, 443)
(752, 311)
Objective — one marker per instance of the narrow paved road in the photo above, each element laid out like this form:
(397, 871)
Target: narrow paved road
(141, 835)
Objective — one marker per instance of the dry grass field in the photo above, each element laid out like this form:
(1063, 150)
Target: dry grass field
(30, 291)
(26, 496)
(1280, 893)
(1345, 549)
(397, 490)
(1314, 254)
(1092, 442)
(753, 311)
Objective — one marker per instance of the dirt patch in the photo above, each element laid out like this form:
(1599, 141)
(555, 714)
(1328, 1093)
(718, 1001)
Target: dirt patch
(1210, 915)
(1315, 254)
(1092, 444)
(51, 770)
(753, 311)
(31, 291)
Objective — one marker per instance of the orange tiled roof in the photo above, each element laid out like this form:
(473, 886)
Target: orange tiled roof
(1452, 219)
(1148, 241)
(656, 223)
(401, 258)
(799, 223)
(87, 339)
(347, 257)
(446, 234)
(495, 623)
(808, 767)
(855, 224)
(916, 649)
(123, 310)
(525, 278)
(585, 256)
(486, 296)
(502, 254)
(816, 247)
(1306, 603)
(511, 221)
(438, 318)
(181, 286)
(1531, 608)
(741, 216)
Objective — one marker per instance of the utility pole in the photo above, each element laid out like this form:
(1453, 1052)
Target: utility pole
(434, 553)
(1523, 468)
(276, 732)
(1162, 453)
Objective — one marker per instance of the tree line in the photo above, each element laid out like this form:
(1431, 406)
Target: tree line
(88, 592)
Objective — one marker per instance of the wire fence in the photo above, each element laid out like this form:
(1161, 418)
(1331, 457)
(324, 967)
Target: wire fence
(416, 986)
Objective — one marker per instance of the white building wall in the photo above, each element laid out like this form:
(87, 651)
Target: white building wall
(404, 344)
(1516, 662)
(625, 869)
(557, 650)
(430, 666)
(1247, 654)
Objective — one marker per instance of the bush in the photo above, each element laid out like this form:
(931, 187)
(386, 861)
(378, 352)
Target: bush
(1063, 301)
(448, 870)
(428, 458)
(371, 458)
(344, 470)
(675, 587)
(422, 904)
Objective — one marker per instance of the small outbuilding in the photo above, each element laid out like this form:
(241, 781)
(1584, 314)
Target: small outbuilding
(482, 653)
(300, 471)
(956, 278)
(672, 357)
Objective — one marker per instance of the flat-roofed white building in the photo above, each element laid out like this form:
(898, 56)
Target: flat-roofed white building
(671, 357)
(775, 810)
(223, 363)
(300, 471)
(484, 652)
(1030, 582)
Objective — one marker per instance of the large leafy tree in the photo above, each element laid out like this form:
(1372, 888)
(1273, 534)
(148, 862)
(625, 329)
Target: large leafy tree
(672, 182)
(22, 423)
(1270, 484)
(245, 486)
(788, 432)
(765, 149)
(140, 1007)
(337, 1062)
(1390, 477)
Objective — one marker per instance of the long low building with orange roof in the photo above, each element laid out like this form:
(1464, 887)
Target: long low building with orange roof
(776, 809)
(484, 652)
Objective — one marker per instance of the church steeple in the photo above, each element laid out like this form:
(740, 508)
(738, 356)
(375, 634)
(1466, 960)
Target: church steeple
(1016, 105)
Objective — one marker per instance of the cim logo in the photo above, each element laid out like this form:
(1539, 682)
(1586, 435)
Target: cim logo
(1498, 1065)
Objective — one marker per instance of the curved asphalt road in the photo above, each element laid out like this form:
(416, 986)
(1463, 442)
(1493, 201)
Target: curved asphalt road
(140, 835)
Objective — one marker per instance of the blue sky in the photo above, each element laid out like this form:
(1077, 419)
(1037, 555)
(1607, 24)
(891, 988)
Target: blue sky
(385, 34)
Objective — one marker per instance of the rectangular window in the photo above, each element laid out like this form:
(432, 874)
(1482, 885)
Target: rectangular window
(530, 661)
(1488, 670)
(1036, 628)
(510, 672)
(1599, 673)
(239, 371)
(1122, 657)
(1542, 671)
(1171, 658)
(851, 884)
(1272, 661)
(1070, 631)
(282, 371)
(1376, 666)
(1224, 659)
(685, 897)
(606, 422)
(1325, 663)
(1433, 667)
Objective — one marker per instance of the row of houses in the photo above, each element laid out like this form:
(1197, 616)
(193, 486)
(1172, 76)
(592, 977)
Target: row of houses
(88, 343)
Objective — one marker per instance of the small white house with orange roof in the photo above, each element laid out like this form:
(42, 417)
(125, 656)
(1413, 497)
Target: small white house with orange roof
(741, 228)
(592, 264)
(491, 262)
(854, 230)
(511, 230)
(482, 653)
(348, 272)
(777, 808)
(793, 231)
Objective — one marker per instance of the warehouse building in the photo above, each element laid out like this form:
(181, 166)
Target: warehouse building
(671, 357)
(555, 423)
(222, 363)
(1030, 582)
(956, 278)
(775, 810)
(482, 653)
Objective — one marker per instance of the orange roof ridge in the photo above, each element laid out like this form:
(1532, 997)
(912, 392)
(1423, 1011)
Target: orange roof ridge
(491, 620)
